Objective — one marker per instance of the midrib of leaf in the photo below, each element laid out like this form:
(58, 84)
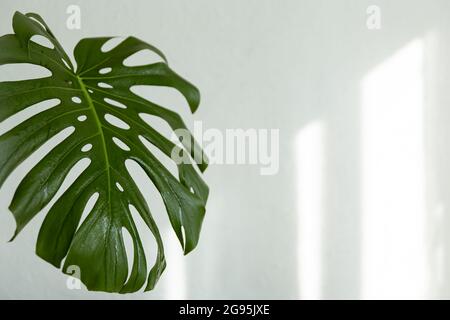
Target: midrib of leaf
(102, 136)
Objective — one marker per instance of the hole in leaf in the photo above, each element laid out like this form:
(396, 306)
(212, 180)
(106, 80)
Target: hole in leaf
(38, 22)
(147, 240)
(122, 145)
(116, 122)
(163, 96)
(76, 99)
(161, 156)
(111, 44)
(104, 85)
(82, 118)
(157, 123)
(141, 58)
(129, 249)
(183, 232)
(43, 41)
(119, 186)
(88, 208)
(66, 63)
(86, 147)
(148, 189)
(105, 70)
(115, 103)
(90, 91)
(25, 114)
(23, 71)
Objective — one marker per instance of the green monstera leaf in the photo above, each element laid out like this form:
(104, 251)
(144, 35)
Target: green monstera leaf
(97, 89)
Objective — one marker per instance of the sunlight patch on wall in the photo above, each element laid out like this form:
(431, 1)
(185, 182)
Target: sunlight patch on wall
(310, 170)
(176, 269)
(393, 202)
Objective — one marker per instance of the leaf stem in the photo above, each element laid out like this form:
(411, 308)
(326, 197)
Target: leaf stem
(102, 136)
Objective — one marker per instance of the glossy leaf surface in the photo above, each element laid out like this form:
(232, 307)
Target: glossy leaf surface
(96, 101)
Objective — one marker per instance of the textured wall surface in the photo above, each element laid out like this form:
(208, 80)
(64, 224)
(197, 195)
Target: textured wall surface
(367, 216)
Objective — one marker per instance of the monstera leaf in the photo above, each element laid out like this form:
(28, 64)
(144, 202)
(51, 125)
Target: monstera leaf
(89, 96)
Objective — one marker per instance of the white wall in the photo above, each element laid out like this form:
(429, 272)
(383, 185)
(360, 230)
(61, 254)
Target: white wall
(359, 208)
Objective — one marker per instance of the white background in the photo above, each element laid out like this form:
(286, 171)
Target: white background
(360, 206)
